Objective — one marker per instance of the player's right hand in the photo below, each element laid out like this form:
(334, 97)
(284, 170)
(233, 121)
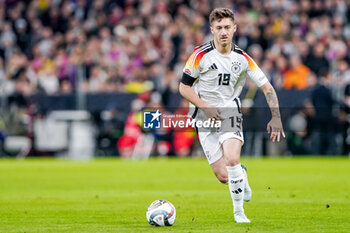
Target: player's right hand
(276, 129)
(213, 113)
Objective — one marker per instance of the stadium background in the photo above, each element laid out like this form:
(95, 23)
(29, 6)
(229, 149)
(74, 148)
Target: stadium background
(75, 73)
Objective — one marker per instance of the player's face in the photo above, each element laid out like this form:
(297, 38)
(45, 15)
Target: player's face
(223, 30)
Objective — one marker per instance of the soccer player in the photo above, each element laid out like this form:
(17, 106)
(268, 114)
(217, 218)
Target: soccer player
(212, 81)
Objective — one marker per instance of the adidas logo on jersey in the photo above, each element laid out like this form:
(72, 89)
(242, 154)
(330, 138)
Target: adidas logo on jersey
(213, 67)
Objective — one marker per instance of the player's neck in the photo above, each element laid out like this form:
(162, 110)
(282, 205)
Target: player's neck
(224, 49)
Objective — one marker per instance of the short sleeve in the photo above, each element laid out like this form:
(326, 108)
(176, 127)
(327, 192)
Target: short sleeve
(192, 67)
(254, 72)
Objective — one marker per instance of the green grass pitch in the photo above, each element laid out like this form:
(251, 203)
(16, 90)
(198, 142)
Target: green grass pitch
(112, 195)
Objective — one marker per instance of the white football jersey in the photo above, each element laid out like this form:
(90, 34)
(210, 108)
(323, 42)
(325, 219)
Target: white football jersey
(219, 79)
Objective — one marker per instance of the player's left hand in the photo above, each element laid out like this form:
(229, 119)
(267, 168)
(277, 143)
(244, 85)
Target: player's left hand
(276, 129)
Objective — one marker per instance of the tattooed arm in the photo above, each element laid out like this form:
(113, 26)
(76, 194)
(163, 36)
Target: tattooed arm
(275, 125)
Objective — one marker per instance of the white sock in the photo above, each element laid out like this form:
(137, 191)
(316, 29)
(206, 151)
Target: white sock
(236, 186)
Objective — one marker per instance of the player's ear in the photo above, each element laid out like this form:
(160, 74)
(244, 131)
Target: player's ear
(234, 27)
(211, 29)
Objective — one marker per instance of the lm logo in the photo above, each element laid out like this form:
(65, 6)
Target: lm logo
(151, 120)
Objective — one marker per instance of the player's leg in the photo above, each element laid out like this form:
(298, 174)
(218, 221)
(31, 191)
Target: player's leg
(247, 190)
(220, 171)
(213, 150)
(236, 177)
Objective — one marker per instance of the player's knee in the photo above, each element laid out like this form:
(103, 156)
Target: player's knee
(232, 162)
(222, 178)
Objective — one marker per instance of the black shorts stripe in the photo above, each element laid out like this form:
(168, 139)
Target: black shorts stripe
(196, 109)
(195, 113)
(196, 128)
(237, 103)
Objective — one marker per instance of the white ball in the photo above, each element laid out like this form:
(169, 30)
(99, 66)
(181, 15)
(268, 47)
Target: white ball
(161, 213)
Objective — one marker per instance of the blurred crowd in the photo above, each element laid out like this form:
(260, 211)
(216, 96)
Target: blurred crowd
(61, 46)
(133, 46)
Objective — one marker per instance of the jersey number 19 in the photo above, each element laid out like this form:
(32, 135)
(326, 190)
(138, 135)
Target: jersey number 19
(224, 79)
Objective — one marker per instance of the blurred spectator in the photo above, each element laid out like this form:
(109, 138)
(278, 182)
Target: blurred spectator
(132, 130)
(97, 80)
(183, 139)
(301, 127)
(344, 118)
(323, 135)
(316, 61)
(65, 86)
(2, 135)
(296, 75)
(341, 78)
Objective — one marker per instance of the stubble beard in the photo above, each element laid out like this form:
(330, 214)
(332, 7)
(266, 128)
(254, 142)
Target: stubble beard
(226, 44)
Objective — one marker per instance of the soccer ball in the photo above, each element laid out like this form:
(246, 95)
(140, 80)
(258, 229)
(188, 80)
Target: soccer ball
(161, 213)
